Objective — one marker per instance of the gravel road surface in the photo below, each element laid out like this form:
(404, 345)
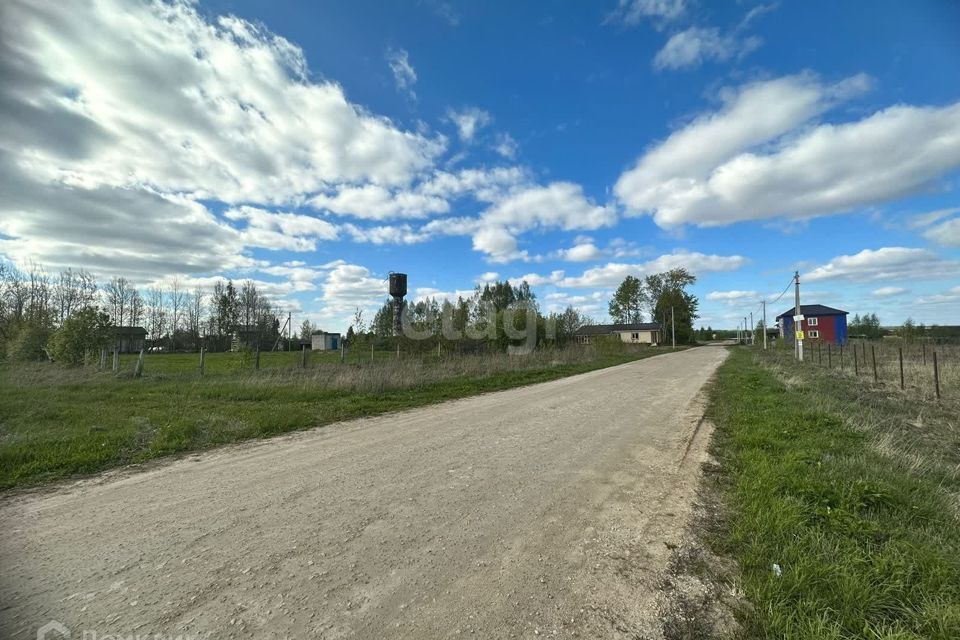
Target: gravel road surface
(547, 510)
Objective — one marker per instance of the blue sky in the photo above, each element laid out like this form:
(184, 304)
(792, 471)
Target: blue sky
(314, 147)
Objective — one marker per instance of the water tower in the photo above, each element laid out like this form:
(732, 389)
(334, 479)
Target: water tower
(398, 289)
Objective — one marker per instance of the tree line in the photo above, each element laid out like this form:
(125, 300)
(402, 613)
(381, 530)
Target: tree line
(36, 309)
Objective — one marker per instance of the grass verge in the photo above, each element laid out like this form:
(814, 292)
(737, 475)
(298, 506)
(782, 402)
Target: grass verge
(57, 422)
(840, 503)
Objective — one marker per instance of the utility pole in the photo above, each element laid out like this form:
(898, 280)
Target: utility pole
(797, 319)
(673, 330)
(745, 338)
(764, 325)
(753, 331)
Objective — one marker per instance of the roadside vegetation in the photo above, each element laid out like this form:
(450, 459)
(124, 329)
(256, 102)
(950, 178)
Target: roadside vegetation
(840, 501)
(57, 421)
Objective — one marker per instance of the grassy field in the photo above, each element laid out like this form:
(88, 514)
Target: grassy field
(840, 502)
(55, 422)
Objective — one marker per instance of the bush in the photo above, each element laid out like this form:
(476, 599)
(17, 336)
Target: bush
(85, 332)
(28, 343)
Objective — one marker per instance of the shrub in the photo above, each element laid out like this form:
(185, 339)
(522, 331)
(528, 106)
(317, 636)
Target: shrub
(28, 343)
(85, 332)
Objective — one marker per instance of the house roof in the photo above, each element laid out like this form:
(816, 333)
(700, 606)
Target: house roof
(119, 330)
(814, 310)
(602, 329)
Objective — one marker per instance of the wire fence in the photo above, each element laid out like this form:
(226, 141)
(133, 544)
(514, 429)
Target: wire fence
(926, 369)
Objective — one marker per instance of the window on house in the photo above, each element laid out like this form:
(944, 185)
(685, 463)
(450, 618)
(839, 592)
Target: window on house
(813, 334)
(634, 336)
(811, 322)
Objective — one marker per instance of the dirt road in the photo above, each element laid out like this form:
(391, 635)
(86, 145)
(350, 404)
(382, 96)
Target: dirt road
(539, 511)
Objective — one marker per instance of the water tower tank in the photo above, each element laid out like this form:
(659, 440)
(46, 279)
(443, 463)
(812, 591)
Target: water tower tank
(398, 285)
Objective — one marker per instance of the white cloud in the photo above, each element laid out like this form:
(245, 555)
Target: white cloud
(374, 202)
(633, 12)
(581, 252)
(613, 273)
(469, 121)
(220, 109)
(886, 292)
(280, 230)
(887, 263)
(537, 280)
(951, 296)
(750, 161)
(506, 146)
(404, 75)
(387, 234)
(558, 205)
(733, 297)
(348, 287)
(692, 47)
(110, 142)
(498, 243)
(926, 219)
(946, 233)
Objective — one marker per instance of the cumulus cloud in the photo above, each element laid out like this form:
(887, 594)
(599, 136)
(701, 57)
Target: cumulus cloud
(752, 159)
(113, 138)
(692, 47)
(404, 75)
(281, 230)
(374, 202)
(469, 120)
(612, 274)
(887, 263)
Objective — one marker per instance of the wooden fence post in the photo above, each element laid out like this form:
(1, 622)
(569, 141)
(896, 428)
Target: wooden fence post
(936, 375)
(103, 358)
(856, 363)
(829, 357)
(873, 356)
(203, 354)
(342, 350)
(819, 353)
(116, 360)
(371, 351)
(923, 346)
(138, 370)
(256, 363)
(900, 353)
(841, 357)
(303, 357)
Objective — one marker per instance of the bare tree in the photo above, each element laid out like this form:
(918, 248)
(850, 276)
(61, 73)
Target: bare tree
(73, 291)
(156, 315)
(118, 299)
(177, 298)
(195, 314)
(136, 307)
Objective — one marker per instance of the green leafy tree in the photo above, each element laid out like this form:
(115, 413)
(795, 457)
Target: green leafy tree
(628, 301)
(669, 298)
(82, 334)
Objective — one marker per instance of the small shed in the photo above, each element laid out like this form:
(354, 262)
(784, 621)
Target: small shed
(325, 341)
(129, 339)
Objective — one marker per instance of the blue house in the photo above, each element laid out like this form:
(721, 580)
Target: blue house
(820, 324)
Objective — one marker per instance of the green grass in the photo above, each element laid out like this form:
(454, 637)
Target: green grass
(57, 422)
(837, 483)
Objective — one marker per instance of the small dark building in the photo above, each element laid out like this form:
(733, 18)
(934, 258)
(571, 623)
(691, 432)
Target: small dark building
(129, 339)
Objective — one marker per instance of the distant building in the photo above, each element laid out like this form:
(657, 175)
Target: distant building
(129, 339)
(819, 324)
(637, 332)
(324, 341)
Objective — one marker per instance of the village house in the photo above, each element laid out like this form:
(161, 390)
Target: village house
(636, 333)
(819, 324)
